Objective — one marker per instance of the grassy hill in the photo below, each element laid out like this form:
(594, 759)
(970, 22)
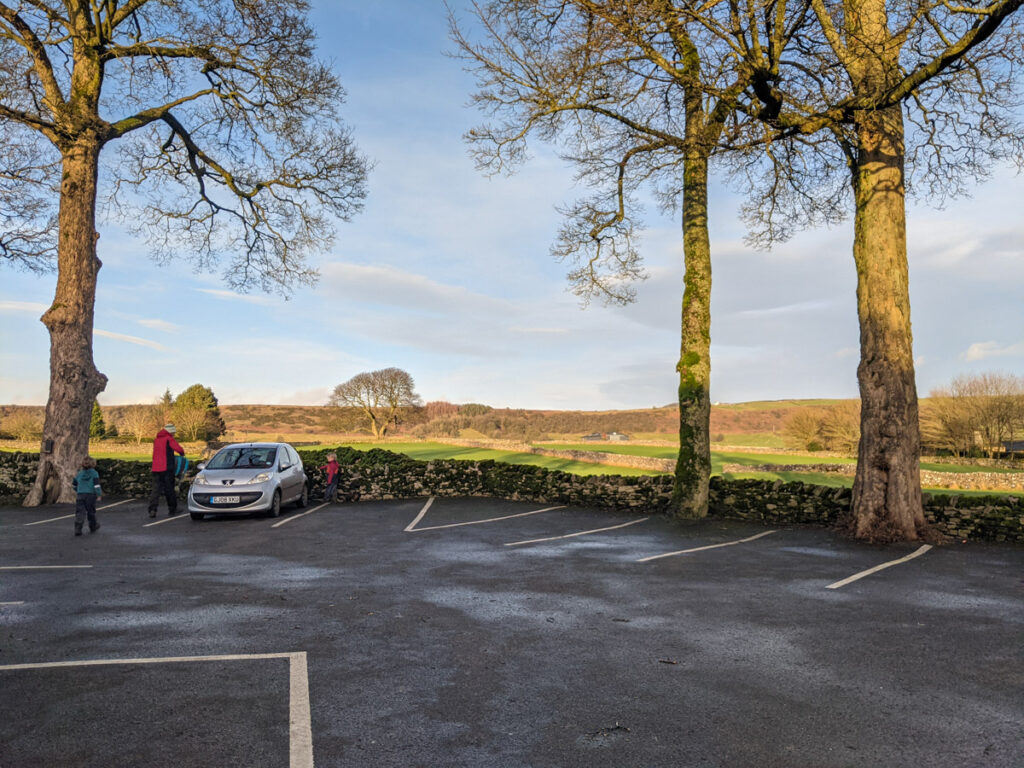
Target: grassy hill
(757, 423)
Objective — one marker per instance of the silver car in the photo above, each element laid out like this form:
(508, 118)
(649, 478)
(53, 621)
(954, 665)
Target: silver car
(249, 477)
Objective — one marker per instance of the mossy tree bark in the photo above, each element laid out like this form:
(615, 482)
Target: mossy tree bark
(693, 467)
(887, 503)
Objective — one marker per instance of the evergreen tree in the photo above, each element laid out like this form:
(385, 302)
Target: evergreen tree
(97, 429)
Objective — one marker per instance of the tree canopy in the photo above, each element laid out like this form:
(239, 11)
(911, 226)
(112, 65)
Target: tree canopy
(230, 154)
(379, 395)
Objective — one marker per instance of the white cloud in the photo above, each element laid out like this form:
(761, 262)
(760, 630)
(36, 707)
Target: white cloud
(786, 309)
(548, 331)
(984, 349)
(233, 296)
(159, 325)
(392, 286)
(130, 339)
(22, 306)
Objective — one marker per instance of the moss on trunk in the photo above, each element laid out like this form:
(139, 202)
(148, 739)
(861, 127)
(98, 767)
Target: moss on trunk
(693, 468)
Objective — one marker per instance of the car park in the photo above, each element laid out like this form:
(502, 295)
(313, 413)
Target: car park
(244, 478)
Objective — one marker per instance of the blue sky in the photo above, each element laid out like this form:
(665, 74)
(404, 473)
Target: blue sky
(447, 274)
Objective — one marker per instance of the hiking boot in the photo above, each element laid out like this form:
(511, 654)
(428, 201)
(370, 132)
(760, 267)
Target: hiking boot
(172, 512)
(94, 528)
(78, 529)
(152, 513)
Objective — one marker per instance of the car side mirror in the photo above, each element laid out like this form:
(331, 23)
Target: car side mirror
(200, 466)
(283, 466)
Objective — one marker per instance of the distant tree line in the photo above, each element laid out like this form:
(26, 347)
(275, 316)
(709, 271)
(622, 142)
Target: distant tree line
(195, 412)
(976, 415)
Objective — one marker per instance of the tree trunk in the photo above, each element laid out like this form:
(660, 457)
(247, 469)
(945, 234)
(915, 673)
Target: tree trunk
(74, 380)
(693, 467)
(887, 490)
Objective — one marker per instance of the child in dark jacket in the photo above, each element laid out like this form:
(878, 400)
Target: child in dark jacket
(332, 476)
(88, 489)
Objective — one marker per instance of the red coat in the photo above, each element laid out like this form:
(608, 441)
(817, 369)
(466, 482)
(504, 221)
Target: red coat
(164, 448)
(332, 469)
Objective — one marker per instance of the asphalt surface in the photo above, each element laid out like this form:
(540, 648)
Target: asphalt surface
(442, 646)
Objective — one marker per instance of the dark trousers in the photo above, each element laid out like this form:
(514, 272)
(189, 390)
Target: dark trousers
(332, 488)
(163, 485)
(85, 507)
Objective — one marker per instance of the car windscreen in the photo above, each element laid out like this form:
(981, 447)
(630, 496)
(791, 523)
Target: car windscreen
(244, 457)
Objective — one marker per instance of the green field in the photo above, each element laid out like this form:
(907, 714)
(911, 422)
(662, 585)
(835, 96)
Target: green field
(430, 451)
(753, 439)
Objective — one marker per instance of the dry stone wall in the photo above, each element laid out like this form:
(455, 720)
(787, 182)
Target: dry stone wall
(380, 474)
(961, 481)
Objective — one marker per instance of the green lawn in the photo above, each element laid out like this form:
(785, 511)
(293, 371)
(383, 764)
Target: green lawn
(429, 451)
(964, 468)
(623, 449)
(718, 458)
(815, 478)
(755, 439)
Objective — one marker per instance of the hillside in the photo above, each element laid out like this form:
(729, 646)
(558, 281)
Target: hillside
(759, 418)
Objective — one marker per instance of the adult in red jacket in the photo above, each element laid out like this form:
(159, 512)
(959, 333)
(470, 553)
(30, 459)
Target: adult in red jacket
(164, 448)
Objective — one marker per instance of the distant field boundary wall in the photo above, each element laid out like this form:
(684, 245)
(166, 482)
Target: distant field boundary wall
(589, 457)
(380, 474)
(961, 481)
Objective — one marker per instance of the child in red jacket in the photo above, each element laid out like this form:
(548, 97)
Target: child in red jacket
(332, 476)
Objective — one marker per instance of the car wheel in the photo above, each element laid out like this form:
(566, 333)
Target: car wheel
(303, 499)
(197, 515)
(275, 504)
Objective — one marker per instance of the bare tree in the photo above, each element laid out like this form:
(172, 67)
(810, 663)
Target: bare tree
(840, 427)
(230, 146)
(979, 412)
(910, 95)
(633, 93)
(380, 395)
(141, 421)
(802, 430)
(24, 424)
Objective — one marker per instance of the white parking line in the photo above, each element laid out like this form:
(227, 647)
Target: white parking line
(179, 516)
(701, 549)
(17, 602)
(300, 729)
(39, 567)
(579, 533)
(479, 522)
(301, 514)
(300, 726)
(68, 517)
(51, 520)
(115, 504)
(883, 566)
(419, 517)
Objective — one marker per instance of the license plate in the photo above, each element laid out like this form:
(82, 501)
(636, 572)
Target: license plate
(224, 499)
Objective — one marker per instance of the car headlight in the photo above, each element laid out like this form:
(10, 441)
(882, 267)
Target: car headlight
(262, 477)
(201, 479)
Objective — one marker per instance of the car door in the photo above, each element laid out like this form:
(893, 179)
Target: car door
(297, 473)
(286, 469)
